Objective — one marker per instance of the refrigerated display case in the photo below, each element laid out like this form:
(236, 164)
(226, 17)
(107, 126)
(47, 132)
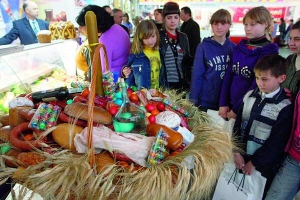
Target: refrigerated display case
(36, 67)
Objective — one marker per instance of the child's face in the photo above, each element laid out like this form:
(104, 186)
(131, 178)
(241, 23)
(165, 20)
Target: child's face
(157, 17)
(267, 82)
(220, 29)
(151, 41)
(171, 22)
(254, 29)
(294, 42)
(125, 19)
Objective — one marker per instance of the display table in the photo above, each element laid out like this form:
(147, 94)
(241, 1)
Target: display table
(27, 69)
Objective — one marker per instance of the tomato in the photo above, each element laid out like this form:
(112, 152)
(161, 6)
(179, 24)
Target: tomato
(160, 106)
(155, 112)
(150, 107)
(134, 97)
(85, 92)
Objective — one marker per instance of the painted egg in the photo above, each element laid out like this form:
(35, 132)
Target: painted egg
(118, 102)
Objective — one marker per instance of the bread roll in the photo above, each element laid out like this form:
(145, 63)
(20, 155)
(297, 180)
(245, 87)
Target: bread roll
(4, 120)
(80, 111)
(64, 135)
(102, 160)
(4, 133)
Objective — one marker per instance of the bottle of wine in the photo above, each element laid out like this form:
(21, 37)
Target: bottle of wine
(60, 93)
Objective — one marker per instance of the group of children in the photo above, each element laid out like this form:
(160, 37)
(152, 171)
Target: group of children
(162, 53)
(248, 81)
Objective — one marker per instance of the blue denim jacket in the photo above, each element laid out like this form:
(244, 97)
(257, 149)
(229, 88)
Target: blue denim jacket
(141, 72)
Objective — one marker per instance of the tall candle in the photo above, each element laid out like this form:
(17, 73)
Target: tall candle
(92, 35)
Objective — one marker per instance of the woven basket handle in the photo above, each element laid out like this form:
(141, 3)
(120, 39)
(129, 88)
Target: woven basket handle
(95, 68)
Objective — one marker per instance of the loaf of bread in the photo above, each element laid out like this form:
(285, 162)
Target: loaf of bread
(64, 135)
(62, 30)
(16, 105)
(44, 36)
(80, 111)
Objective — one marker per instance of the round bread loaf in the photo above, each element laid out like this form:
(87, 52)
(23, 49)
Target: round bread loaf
(64, 135)
(62, 30)
(80, 111)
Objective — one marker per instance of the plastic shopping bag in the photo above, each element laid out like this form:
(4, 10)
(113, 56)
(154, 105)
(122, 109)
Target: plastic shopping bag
(252, 184)
(255, 184)
(227, 189)
(220, 122)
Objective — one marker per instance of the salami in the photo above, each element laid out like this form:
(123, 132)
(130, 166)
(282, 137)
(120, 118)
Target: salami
(17, 140)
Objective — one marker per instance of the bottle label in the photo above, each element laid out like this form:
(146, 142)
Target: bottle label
(74, 90)
(45, 91)
(49, 99)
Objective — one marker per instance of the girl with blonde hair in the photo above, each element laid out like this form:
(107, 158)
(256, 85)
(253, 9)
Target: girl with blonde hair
(239, 76)
(144, 68)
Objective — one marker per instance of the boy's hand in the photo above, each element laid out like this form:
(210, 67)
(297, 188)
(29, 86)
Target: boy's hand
(231, 114)
(248, 169)
(223, 111)
(238, 160)
(126, 71)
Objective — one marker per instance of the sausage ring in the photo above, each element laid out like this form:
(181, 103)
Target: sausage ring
(68, 119)
(16, 140)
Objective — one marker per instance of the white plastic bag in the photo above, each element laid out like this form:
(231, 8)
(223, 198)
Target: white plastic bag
(228, 190)
(220, 122)
(253, 184)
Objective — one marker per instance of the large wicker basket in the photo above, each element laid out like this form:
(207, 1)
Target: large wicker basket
(66, 175)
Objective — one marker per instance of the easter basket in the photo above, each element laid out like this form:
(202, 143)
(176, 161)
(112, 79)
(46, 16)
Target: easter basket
(190, 174)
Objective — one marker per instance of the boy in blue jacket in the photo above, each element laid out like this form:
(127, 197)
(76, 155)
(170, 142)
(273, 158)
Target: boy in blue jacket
(264, 121)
